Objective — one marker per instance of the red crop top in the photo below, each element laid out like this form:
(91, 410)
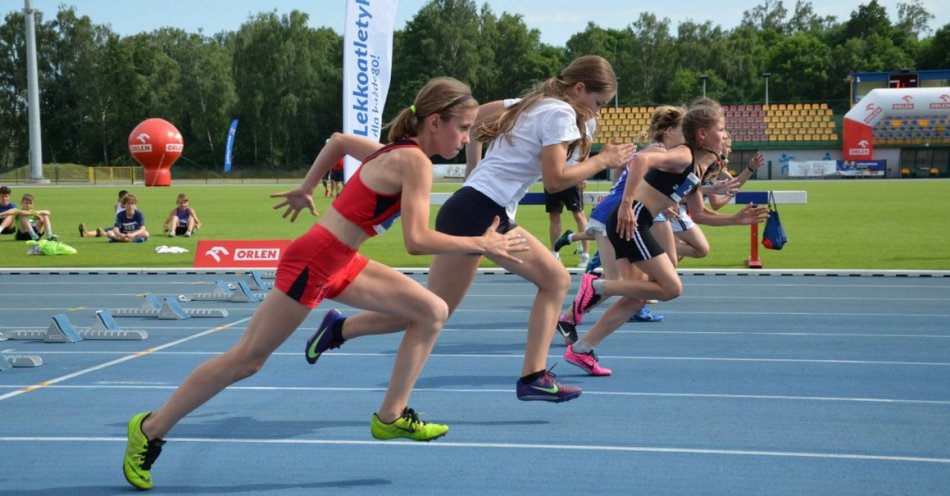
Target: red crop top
(371, 211)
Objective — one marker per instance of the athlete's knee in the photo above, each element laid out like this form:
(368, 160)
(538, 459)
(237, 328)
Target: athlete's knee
(432, 314)
(240, 368)
(559, 281)
(702, 249)
(670, 290)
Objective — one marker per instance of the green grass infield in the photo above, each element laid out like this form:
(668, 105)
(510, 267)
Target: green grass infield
(846, 224)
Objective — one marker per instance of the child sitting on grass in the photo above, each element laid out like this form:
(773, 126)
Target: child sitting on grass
(182, 220)
(129, 223)
(32, 224)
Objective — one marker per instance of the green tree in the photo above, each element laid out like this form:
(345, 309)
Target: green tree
(14, 138)
(441, 40)
(913, 19)
(935, 53)
(798, 64)
(644, 61)
(770, 16)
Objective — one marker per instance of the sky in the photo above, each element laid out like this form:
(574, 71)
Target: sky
(557, 20)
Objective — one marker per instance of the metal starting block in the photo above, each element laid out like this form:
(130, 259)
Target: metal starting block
(19, 361)
(168, 309)
(255, 280)
(239, 292)
(61, 330)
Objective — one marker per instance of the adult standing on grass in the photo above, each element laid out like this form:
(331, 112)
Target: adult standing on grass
(530, 139)
(324, 264)
(656, 182)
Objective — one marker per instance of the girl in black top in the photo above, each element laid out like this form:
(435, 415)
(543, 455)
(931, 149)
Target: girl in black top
(656, 182)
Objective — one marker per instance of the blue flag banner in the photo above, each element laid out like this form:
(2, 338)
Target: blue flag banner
(229, 146)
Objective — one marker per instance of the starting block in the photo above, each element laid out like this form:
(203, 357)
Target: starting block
(61, 330)
(19, 361)
(241, 293)
(168, 309)
(255, 280)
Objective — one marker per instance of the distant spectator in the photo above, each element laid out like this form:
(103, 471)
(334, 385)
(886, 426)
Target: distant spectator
(336, 177)
(99, 232)
(7, 212)
(32, 224)
(129, 223)
(182, 220)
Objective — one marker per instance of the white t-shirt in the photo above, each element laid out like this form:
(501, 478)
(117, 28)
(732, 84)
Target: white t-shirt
(510, 168)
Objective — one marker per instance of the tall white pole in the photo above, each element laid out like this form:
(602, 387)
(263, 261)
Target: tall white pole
(33, 95)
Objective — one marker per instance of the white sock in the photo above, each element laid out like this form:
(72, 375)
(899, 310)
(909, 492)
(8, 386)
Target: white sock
(581, 347)
(598, 286)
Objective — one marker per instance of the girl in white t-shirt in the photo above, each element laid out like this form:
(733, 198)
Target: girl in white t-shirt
(530, 140)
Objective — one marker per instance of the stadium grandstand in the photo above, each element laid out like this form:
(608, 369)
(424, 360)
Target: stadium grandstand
(749, 124)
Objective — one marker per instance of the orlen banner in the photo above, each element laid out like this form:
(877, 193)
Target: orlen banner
(882, 103)
(258, 253)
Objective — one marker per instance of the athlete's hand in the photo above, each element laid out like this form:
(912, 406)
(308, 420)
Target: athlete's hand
(626, 223)
(617, 155)
(295, 200)
(672, 213)
(500, 245)
(725, 187)
(757, 161)
(751, 214)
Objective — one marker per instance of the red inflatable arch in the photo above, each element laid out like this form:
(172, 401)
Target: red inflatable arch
(858, 138)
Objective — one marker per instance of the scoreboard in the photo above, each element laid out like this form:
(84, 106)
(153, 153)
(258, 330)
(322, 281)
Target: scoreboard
(903, 80)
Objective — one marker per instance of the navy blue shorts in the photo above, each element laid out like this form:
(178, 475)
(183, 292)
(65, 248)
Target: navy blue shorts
(468, 212)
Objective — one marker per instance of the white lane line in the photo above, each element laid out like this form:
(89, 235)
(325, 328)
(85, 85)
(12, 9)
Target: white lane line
(117, 361)
(140, 386)
(520, 356)
(496, 446)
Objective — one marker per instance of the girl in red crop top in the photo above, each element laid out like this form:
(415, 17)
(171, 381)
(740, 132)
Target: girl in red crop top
(367, 208)
(324, 263)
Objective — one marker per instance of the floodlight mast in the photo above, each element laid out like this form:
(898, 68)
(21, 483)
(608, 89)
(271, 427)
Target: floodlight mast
(33, 95)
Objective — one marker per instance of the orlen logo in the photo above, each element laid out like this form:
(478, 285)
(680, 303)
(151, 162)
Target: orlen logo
(171, 147)
(873, 111)
(146, 148)
(860, 151)
(257, 254)
(944, 104)
(907, 105)
(216, 252)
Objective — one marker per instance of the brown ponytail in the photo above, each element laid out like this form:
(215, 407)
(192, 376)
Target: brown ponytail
(445, 96)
